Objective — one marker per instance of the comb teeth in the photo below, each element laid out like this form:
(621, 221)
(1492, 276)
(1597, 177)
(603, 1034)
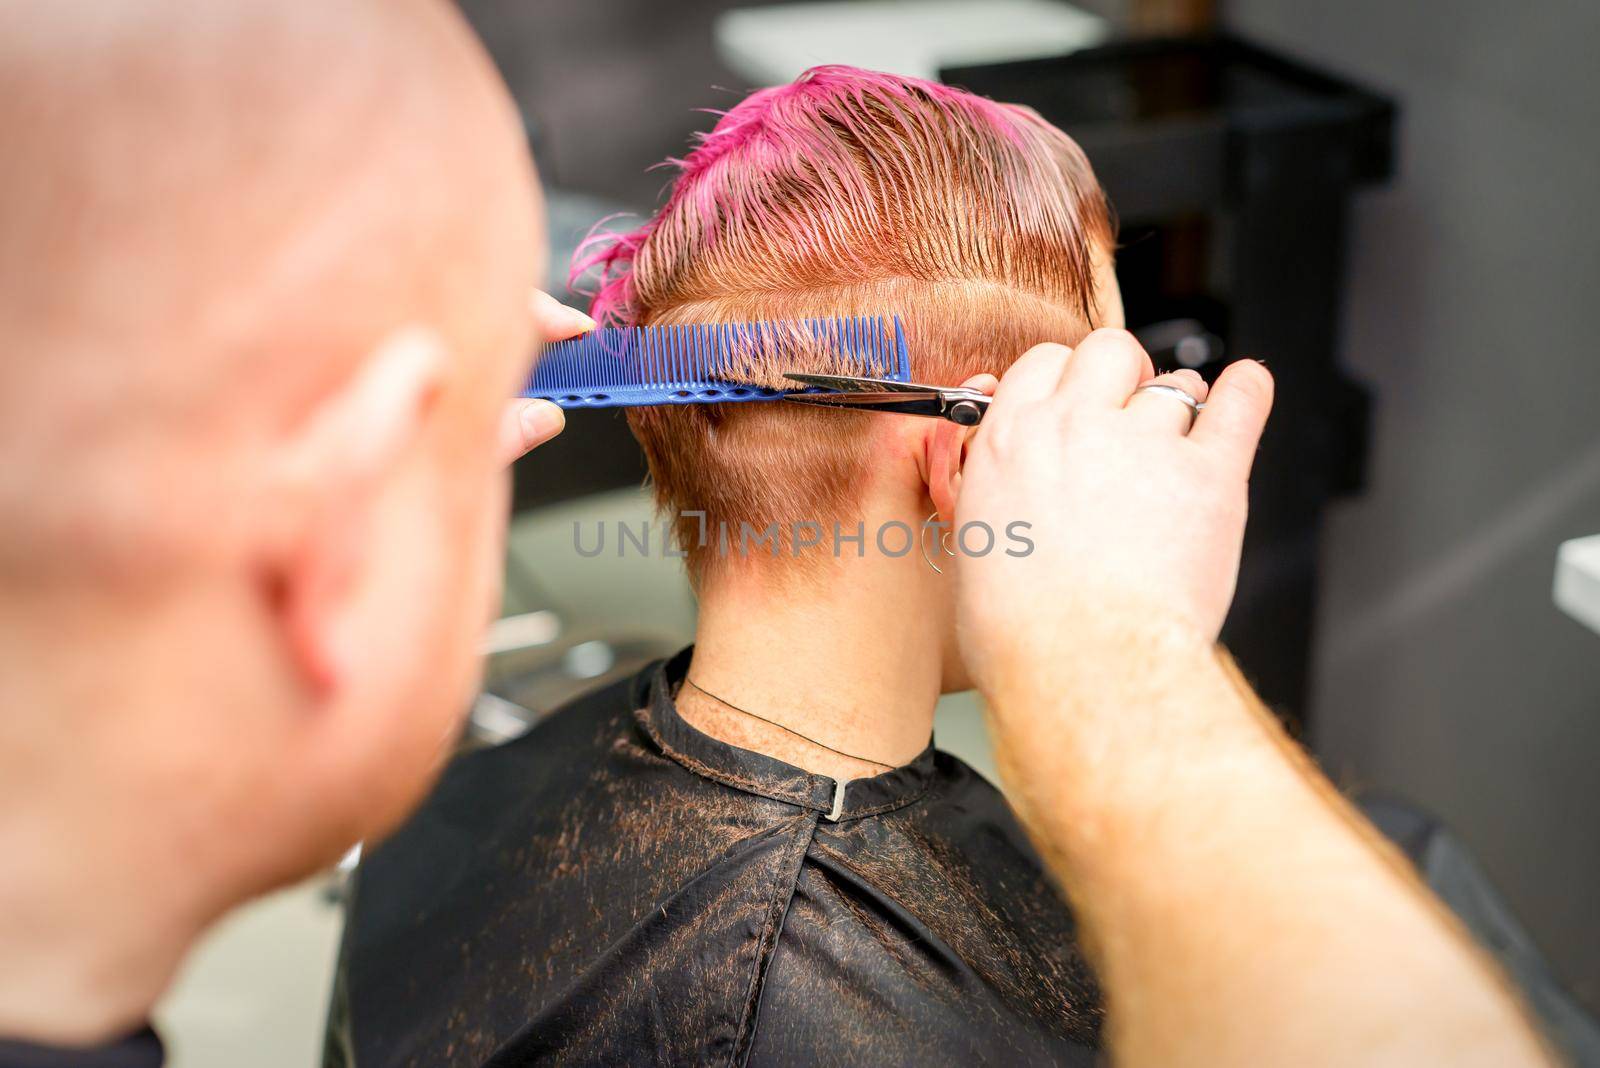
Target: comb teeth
(705, 363)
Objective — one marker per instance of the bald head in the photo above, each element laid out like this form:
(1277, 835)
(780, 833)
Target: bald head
(264, 274)
(208, 214)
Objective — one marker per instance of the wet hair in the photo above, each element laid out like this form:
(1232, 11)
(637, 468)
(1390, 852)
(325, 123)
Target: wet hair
(849, 192)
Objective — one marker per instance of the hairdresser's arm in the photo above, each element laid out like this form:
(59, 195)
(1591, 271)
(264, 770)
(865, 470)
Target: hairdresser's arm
(527, 424)
(1237, 910)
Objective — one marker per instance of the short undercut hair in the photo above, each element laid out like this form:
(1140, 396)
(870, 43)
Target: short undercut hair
(849, 192)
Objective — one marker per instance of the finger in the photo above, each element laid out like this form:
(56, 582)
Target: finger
(1236, 412)
(555, 321)
(526, 425)
(1161, 411)
(983, 383)
(1034, 376)
(1105, 369)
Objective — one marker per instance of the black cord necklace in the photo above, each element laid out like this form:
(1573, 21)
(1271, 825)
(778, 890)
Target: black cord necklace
(790, 730)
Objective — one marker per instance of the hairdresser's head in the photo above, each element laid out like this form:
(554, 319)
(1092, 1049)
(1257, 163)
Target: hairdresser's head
(264, 271)
(851, 192)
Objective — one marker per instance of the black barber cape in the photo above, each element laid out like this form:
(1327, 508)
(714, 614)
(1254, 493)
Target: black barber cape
(616, 887)
(141, 1050)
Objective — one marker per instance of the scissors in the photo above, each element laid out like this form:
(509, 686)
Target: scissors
(964, 407)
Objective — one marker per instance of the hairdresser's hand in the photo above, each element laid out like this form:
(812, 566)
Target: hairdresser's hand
(527, 424)
(1137, 520)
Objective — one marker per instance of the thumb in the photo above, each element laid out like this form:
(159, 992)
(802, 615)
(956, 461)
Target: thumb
(1236, 412)
(526, 425)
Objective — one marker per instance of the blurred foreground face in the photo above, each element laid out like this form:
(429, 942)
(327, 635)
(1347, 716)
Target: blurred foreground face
(269, 266)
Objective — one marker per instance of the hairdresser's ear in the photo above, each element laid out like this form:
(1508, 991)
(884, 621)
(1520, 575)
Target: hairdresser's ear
(946, 453)
(325, 491)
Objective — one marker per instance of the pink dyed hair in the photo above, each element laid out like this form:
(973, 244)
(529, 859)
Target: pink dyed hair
(849, 192)
(851, 149)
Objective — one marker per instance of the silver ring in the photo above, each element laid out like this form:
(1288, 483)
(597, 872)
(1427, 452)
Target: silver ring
(1195, 407)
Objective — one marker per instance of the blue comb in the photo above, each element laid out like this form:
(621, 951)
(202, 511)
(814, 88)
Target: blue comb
(710, 363)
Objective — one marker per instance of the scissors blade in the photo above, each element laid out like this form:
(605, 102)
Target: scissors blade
(850, 384)
(886, 401)
(893, 403)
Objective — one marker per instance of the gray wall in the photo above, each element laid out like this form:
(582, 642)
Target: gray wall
(610, 87)
(1444, 674)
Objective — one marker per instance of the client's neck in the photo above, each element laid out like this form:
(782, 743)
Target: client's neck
(847, 659)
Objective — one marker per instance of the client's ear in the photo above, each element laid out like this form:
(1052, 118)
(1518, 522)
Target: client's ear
(325, 491)
(945, 452)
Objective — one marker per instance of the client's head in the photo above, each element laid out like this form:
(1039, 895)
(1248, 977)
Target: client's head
(852, 192)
